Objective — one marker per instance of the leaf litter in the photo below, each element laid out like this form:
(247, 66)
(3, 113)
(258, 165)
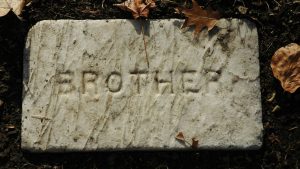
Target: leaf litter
(199, 17)
(180, 137)
(138, 8)
(15, 5)
(285, 65)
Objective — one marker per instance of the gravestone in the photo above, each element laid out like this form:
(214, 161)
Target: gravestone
(124, 84)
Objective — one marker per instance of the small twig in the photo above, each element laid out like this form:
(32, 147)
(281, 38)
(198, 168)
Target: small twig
(102, 4)
(272, 97)
(269, 10)
(276, 108)
(293, 128)
(145, 44)
(277, 3)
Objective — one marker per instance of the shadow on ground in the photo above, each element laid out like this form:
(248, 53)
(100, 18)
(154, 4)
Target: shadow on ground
(281, 139)
(151, 159)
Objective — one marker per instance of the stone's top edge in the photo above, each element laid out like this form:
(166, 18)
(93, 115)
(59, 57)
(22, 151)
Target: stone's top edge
(130, 20)
(223, 22)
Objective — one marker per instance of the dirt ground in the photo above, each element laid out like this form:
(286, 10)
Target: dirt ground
(278, 24)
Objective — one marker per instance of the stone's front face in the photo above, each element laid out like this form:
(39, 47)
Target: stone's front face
(88, 85)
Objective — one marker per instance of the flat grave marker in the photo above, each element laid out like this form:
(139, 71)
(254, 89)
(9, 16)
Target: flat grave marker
(103, 85)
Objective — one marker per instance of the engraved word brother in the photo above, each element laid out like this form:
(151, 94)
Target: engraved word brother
(161, 82)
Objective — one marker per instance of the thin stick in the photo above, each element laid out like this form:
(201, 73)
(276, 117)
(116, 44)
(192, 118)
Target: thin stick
(102, 4)
(145, 45)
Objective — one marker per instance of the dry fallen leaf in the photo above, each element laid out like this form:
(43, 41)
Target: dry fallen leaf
(138, 8)
(286, 67)
(273, 138)
(195, 143)
(242, 9)
(180, 136)
(15, 5)
(199, 17)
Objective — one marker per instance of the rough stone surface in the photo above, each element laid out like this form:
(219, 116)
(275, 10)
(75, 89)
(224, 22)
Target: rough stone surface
(92, 85)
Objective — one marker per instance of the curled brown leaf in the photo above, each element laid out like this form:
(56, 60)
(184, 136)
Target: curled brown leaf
(199, 17)
(180, 136)
(286, 67)
(138, 8)
(15, 5)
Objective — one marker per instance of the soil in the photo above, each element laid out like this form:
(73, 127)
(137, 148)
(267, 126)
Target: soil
(278, 25)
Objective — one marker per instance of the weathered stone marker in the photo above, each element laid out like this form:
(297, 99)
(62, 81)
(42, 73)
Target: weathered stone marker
(92, 85)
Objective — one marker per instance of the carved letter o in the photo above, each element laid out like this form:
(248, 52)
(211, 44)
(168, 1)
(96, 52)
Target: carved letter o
(114, 82)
